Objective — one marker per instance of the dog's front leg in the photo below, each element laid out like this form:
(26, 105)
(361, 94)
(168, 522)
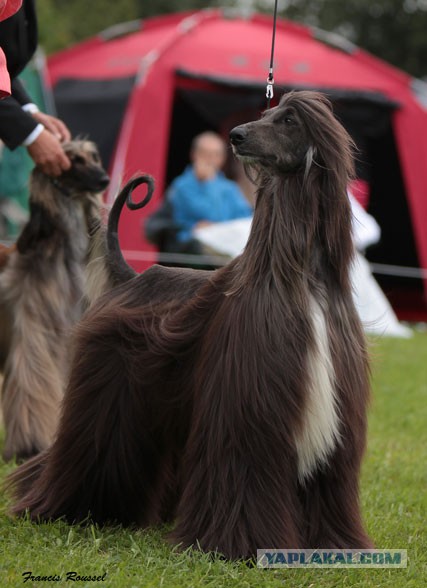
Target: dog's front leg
(240, 489)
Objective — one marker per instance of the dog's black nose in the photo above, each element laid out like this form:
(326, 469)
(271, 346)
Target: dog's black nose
(104, 181)
(238, 135)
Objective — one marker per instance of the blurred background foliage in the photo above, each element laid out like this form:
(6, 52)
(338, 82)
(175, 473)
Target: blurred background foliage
(394, 30)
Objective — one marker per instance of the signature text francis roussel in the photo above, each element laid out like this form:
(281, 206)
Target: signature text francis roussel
(68, 577)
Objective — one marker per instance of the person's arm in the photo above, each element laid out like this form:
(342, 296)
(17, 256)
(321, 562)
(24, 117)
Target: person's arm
(19, 92)
(51, 123)
(15, 124)
(20, 125)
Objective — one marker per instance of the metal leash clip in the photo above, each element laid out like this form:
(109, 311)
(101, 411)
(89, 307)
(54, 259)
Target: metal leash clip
(269, 93)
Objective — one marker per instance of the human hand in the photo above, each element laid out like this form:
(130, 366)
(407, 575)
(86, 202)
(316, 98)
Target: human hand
(53, 125)
(203, 170)
(48, 155)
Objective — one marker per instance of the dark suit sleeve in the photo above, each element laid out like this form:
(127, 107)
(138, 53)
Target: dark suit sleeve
(15, 124)
(19, 92)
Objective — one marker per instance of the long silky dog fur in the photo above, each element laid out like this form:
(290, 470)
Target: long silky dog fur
(41, 288)
(232, 402)
(59, 266)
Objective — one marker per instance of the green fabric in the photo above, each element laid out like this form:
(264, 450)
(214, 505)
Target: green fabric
(16, 166)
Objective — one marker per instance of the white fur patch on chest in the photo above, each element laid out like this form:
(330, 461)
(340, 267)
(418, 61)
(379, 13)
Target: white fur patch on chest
(320, 432)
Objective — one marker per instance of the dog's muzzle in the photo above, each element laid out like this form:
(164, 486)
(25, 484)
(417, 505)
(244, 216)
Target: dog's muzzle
(103, 181)
(238, 135)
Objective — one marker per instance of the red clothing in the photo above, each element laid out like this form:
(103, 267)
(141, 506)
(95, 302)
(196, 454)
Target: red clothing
(7, 8)
(4, 77)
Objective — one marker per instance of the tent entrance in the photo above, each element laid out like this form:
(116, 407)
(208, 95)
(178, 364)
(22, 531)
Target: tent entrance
(94, 109)
(397, 247)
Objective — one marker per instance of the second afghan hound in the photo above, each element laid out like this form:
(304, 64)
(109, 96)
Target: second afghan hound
(41, 288)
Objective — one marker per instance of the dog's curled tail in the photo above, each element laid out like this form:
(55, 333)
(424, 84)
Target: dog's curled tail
(119, 269)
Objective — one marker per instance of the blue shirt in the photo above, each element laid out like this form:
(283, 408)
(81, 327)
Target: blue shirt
(215, 200)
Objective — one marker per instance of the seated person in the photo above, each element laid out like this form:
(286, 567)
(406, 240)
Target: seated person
(202, 194)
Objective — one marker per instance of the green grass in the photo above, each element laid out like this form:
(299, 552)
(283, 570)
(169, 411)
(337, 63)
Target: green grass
(394, 484)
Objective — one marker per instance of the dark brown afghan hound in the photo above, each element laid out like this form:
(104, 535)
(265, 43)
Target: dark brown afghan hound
(234, 401)
(41, 288)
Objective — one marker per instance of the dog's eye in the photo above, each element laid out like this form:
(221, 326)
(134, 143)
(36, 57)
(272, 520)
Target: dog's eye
(78, 159)
(288, 120)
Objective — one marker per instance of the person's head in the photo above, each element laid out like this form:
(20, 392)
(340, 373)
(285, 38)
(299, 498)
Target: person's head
(209, 148)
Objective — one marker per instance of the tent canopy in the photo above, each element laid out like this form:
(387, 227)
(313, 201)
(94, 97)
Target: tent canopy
(142, 92)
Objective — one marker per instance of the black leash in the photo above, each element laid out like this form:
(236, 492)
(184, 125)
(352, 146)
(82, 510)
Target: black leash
(270, 79)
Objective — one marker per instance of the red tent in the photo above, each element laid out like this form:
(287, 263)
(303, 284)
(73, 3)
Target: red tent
(142, 92)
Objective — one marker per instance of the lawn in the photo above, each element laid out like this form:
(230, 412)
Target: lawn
(394, 485)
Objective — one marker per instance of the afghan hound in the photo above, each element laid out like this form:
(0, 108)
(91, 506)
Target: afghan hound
(232, 402)
(41, 287)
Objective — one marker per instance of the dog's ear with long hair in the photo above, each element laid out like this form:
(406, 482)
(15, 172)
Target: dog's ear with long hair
(338, 170)
(329, 166)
